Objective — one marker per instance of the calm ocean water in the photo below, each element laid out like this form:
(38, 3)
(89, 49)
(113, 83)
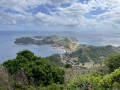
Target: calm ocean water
(8, 49)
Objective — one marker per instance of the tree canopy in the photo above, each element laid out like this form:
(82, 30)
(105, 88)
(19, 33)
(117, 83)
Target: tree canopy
(113, 61)
(37, 69)
(68, 66)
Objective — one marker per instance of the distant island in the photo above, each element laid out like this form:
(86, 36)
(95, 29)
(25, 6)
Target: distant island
(76, 54)
(66, 43)
(42, 40)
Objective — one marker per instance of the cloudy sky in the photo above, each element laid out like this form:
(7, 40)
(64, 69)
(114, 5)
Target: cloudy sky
(59, 14)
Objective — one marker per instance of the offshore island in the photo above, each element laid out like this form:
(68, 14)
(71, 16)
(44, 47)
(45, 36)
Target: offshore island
(76, 54)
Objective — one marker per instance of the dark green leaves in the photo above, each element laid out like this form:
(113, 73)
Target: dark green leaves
(36, 68)
(113, 62)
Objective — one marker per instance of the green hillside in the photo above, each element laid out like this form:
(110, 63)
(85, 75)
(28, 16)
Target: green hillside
(97, 54)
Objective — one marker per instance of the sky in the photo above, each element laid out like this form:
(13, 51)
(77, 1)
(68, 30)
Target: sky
(78, 15)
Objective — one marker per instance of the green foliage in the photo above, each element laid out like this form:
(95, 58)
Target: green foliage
(29, 88)
(66, 42)
(25, 54)
(37, 69)
(55, 60)
(24, 40)
(76, 53)
(111, 80)
(48, 38)
(52, 87)
(83, 58)
(83, 82)
(49, 87)
(113, 62)
(94, 53)
(68, 66)
(96, 81)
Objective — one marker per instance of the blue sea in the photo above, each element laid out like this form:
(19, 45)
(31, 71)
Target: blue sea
(8, 49)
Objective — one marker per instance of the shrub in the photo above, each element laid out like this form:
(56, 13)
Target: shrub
(68, 66)
(96, 81)
(113, 62)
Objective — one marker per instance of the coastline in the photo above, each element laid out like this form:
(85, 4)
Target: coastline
(59, 48)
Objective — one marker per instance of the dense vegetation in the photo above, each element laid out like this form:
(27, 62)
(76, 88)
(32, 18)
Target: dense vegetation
(24, 40)
(113, 62)
(96, 81)
(29, 72)
(55, 60)
(94, 53)
(37, 70)
(100, 80)
(48, 38)
(68, 66)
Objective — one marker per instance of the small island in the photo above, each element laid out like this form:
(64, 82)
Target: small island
(66, 43)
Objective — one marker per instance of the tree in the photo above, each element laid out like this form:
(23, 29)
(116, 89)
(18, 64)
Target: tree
(25, 53)
(113, 62)
(37, 69)
(111, 80)
(68, 66)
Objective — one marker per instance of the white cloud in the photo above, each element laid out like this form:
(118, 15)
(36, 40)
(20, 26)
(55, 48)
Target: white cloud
(69, 16)
(62, 1)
